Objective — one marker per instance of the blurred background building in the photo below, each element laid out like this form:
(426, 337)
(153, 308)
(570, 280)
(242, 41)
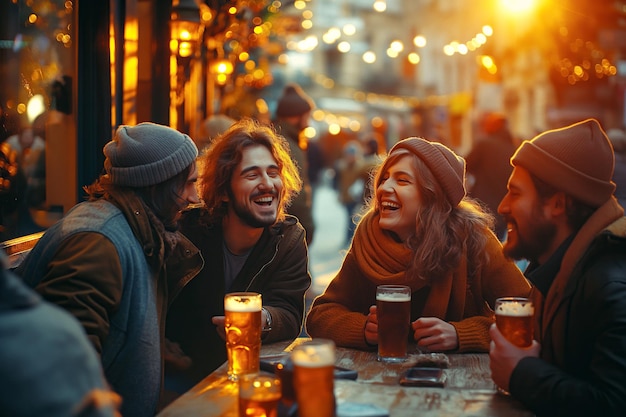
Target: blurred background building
(388, 69)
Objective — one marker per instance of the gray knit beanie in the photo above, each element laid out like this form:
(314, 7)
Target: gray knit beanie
(447, 167)
(293, 102)
(147, 154)
(576, 159)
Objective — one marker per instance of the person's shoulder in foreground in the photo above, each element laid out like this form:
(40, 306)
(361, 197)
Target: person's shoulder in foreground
(562, 217)
(48, 366)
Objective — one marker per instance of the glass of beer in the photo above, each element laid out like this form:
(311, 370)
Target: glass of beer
(514, 318)
(242, 311)
(313, 378)
(393, 309)
(259, 396)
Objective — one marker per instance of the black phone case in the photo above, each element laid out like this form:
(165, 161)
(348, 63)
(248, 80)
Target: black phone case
(268, 364)
(423, 377)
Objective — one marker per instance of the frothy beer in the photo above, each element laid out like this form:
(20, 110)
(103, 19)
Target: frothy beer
(393, 309)
(313, 378)
(514, 318)
(243, 332)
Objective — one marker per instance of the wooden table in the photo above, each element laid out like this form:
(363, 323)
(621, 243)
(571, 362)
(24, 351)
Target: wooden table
(469, 390)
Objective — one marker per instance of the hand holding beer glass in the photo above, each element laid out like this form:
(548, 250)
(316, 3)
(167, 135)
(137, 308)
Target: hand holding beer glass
(242, 321)
(314, 378)
(514, 319)
(393, 310)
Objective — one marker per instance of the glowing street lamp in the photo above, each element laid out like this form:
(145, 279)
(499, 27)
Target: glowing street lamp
(186, 30)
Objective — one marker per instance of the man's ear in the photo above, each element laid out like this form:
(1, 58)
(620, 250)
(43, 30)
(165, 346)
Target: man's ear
(557, 204)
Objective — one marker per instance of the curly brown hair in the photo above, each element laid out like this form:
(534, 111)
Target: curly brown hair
(221, 157)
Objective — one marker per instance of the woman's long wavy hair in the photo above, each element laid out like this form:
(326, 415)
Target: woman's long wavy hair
(443, 232)
(222, 156)
(164, 199)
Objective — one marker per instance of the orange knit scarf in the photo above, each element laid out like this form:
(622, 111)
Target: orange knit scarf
(384, 261)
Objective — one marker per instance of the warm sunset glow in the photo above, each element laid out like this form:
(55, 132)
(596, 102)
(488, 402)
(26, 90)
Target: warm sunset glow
(518, 6)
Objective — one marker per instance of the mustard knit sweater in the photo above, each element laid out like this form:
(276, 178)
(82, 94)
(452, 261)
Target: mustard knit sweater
(375, 258)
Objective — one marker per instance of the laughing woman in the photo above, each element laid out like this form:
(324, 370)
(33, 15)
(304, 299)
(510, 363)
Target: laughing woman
(420, 230)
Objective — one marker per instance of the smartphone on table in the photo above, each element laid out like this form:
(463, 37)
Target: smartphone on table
(423, 377)
(268, 364)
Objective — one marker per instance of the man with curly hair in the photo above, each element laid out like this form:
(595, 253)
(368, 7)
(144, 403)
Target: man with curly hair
(249, 243)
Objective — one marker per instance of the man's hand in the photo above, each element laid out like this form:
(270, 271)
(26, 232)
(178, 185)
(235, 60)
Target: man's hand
(371, 327)
(505, 356)
(174, 357)
(219, 322)
(434, 335)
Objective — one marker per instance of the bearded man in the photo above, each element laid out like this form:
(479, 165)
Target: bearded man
(562, 216)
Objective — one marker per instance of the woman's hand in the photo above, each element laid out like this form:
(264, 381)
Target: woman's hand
(371, 327)
(434, 334)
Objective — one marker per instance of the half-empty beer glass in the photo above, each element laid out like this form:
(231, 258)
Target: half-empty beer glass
(243, 332)
(313, 378)
(514, 318)
(259, 395)
(393, 309)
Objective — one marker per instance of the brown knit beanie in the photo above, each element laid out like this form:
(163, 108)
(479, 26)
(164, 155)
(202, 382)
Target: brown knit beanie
(576, 159)
(293, 102)
(447, 167)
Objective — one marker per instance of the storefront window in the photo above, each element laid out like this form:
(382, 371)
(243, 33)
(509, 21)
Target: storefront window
(36, 105)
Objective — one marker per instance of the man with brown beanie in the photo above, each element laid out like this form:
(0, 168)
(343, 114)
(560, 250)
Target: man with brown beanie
(562, 216)
(292, 117)
(116, 261)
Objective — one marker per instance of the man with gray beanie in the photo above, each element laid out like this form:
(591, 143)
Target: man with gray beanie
(116, 261)
(562, 216)
(292, 117)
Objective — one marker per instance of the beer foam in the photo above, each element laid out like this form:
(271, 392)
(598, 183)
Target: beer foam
(314, 355)
(394, 297)
(243, 305)
(515, 308)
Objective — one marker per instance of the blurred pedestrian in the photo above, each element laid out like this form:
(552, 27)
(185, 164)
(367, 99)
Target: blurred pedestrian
(116, 261)
(373, 155)
(31, 156)
(11, 180)
(249, 243)
(211, 127)
(352, 172)
(350, 183)
(47, 365)
(420, 230)
(563, 217)
(488, 166)
(30, 179)
(292, 117)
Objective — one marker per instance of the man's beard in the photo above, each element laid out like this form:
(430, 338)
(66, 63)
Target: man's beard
(249, 218)
(534, 242)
